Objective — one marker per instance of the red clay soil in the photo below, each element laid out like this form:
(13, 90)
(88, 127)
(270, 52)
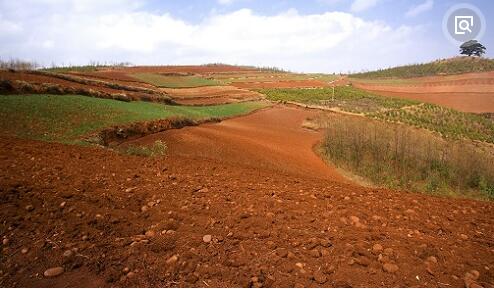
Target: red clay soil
(114, 77)
(40, 79)
(470, 92)
(282, 84)
(213, 214)
(211, 95)
(274, 132)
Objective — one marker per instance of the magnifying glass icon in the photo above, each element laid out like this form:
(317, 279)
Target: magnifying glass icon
(464, 25)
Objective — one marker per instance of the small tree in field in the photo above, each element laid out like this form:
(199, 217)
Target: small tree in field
(472, 47)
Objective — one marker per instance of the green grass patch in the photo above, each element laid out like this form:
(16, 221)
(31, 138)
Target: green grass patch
(174, 81)
(448, 122)
(345, 97)
(455, 65)
(67, 118)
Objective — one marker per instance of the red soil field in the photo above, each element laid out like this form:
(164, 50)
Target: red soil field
(211, 95)
(472, 92)
(241, 203)
(39, 79)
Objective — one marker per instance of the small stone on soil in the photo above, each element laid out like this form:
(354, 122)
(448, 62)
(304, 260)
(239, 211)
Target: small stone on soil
(207, 238)
(53, 272)
(172, 259)
(377, 248)
(68, 253)
(390, 267)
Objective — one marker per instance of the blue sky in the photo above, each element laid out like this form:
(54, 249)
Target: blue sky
(308, 36)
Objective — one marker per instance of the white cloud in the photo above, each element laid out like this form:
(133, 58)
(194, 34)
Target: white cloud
(421, 8)
(225, 2)
(331, 41)
(362, 5)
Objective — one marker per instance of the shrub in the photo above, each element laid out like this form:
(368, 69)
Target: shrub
(398, 156)
(157, 149)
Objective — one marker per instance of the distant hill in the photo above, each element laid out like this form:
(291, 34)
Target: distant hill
(449, 66)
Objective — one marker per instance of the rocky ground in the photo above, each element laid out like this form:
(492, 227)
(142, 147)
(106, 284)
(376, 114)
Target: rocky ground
(85, 216)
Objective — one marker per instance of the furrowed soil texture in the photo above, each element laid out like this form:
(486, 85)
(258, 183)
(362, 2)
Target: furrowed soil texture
(469, 92)
(225, 208)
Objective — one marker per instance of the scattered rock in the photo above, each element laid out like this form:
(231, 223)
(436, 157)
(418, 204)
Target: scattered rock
(390, 267)
(53, 272)
(377, 248)
(388, 251)
(29, 208)
(5, 241)
(68, 253)
(363, 261)
(144, 208)
(463, 237)
(150, 233)
(24, 250)
(354, 219)
(203, 190)
(471, 279)
(207, 238)
(172, 259)
(432, 259)
(62, 205)
(315, 253)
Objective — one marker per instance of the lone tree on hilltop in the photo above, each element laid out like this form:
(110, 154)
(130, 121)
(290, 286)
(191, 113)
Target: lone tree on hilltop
(472, 47)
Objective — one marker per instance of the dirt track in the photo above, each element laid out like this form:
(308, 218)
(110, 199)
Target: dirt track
(277, 219)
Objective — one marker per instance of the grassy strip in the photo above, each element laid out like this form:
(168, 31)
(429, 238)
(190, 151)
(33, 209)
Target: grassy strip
(345, 97)
(456, 65)
(174, 81)
(67, 118)
(397, 156)
(448, 122)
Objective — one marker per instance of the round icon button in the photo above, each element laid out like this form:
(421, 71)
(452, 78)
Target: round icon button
(463, 22)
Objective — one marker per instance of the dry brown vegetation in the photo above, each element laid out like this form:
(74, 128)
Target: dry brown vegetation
(399, 156)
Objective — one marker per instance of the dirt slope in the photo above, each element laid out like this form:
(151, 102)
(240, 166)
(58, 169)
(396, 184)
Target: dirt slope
(216, 213)
(271, 138)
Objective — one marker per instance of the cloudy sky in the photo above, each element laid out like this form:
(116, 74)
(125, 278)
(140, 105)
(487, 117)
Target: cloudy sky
(305, 36)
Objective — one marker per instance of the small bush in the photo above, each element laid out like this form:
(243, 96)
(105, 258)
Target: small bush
(157, 149)
(398, 156)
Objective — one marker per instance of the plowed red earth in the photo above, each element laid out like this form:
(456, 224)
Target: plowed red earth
(470, 92)
(40, 79)
(207, 95)
(241, 203)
